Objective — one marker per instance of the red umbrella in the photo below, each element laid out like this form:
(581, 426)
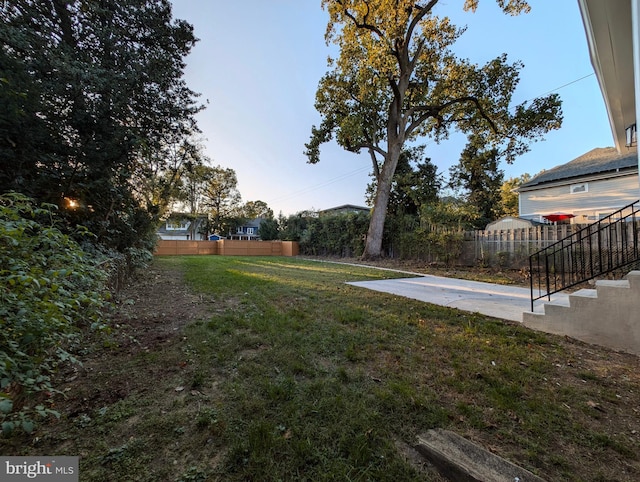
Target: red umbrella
(555, 217)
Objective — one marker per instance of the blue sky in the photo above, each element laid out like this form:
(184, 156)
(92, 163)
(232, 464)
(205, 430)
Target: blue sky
(258, 64)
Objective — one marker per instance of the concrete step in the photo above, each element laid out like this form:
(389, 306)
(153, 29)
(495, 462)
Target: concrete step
(612, 283)
(634, 280)
(556, 308)
(532, 317)
(587, 293)
(582, 298)
(606, 315)
(461, 460)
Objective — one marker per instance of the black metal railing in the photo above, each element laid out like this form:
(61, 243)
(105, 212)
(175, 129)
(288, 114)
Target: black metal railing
(602, 247)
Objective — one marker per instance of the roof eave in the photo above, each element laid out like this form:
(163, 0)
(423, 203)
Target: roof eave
(609, 35)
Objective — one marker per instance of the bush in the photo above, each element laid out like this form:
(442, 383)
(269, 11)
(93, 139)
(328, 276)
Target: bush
(49, 290)
(338, 235)
(446, 245)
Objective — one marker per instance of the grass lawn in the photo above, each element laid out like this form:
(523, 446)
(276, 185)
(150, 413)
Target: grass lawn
(265, 369)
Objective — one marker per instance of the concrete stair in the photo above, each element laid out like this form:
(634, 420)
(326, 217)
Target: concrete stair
(608, 315)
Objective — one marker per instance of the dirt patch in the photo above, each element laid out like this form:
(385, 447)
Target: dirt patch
(155, 306)
(148, 316)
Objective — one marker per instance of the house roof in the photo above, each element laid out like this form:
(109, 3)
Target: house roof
(597, 161)
(346, 207)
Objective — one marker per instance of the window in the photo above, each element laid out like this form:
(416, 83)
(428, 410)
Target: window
(177, 225)
(579, 188)
(249, 230)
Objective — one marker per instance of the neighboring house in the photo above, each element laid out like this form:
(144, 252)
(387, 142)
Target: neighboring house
(584, 190)
(248, 231)
(181, 226)
(344, 209)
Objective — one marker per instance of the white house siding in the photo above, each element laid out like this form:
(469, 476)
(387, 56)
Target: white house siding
(603, 196)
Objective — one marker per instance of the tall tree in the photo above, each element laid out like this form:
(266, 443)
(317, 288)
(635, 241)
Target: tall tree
(95, 101)
(478, 174)
(257, 209)
(396, 80)
(195, 179)
(165, 176)
(222, 199)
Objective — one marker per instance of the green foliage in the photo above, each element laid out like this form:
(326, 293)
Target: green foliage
(446, 245)
(257, 209)
(94, 111)
(407, 238)
(294, 227)
(49, 290)
(222, 200)
(509, 198)
(340, 235)
(449, 214)
(477, 173)
(415, 182)
(269, 229)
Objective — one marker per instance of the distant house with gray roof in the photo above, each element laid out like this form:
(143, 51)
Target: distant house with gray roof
(589, 188)
(344, 209)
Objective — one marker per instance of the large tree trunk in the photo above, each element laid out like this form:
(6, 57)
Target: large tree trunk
(373, 245)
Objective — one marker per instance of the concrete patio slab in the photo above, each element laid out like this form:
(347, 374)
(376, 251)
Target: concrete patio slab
(499, 301)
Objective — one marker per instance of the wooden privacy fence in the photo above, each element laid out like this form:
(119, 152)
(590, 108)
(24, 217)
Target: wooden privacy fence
(226, 247)
(512, 247)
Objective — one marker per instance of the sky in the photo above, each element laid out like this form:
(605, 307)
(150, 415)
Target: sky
(257, 65)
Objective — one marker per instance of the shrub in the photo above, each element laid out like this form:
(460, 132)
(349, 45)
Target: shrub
(49, 290)
(338, 235)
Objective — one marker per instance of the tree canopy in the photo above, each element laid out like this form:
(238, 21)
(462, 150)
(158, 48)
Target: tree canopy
(396, 80)
(508, 197)
(94, 113)
(478, 174)
(222, 199)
